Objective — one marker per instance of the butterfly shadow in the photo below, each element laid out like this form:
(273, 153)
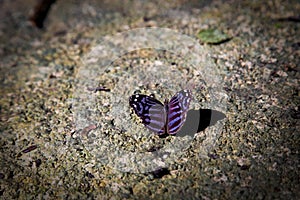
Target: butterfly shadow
(198, 120)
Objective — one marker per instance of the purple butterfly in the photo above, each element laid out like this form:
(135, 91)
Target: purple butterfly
(166, 118)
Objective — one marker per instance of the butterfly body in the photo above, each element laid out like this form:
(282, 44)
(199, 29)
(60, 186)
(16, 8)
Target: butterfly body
(160, 118)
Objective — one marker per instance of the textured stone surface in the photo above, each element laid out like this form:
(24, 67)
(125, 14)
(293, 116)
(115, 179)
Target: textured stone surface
(44, 155)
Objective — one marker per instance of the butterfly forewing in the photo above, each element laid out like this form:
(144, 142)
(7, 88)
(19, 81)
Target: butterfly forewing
(150, 111)
(177, 109)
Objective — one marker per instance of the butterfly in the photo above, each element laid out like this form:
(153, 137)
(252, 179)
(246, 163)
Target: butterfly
(167, 118)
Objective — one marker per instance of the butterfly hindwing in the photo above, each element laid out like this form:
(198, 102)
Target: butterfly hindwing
(150, 111)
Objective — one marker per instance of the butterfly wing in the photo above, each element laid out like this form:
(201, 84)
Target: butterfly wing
(150, 111)
(177, 109)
